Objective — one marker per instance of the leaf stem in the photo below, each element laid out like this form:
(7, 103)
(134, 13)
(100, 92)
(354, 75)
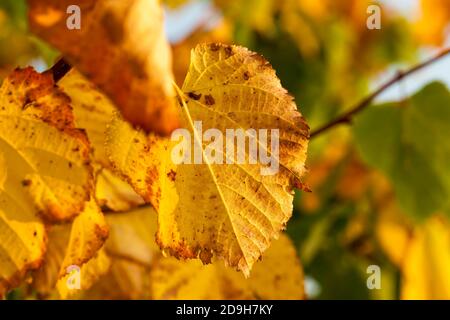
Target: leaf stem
(60, 69)
(347, 116)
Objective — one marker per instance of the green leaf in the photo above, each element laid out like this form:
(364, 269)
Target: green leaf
(409, 142)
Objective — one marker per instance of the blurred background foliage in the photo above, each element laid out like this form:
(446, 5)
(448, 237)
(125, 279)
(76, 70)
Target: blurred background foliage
(380, 186)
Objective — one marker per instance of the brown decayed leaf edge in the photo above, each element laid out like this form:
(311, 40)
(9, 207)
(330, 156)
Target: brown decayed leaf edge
(16, 279)
(31, 87)
(58, 114)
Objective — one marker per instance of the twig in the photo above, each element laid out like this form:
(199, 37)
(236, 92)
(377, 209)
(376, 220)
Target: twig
(347, 116)
(60, 69)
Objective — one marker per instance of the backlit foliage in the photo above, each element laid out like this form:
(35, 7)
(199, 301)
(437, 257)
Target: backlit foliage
(87, 182)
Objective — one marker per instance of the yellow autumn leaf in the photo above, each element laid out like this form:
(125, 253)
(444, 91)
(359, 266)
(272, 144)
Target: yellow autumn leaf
(88, 274)
(92, 111)
(139, 159)
(128, 38)
(132, 250)
(71, 247)
(88, 233)
(221, 33)
(231, 211)
(46, 277)
(41, 144)
(114, 193)
(135, 227)
(278, 276)
(44, 171)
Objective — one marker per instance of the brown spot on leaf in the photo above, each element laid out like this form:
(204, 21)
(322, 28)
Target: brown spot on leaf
(209, 100)
(214, 46)
(205, 256)
(194, 96)
(229, 51)
(296, 183)
(180, 102)
(26, 183)
(172, 175)
(262, 62)
(113, 27)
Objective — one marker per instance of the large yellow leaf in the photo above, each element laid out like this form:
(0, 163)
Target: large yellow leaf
(74, 245)
(278, 276)
(44, 171)
(231, 211)
(121, 47)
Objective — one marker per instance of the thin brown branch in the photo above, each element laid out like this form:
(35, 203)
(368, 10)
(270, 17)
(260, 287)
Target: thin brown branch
(347, 116)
